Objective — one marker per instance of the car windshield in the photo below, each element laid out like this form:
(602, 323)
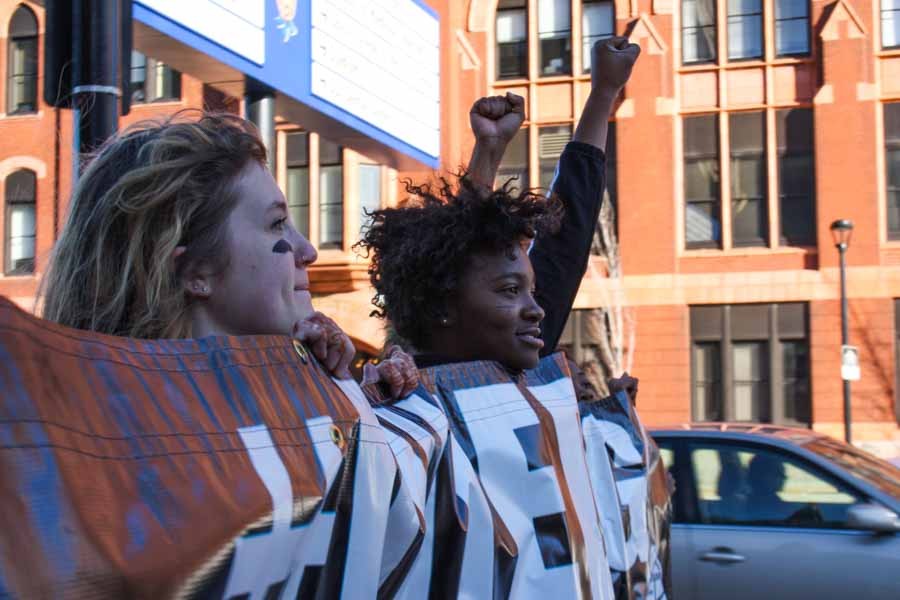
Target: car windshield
(879, 473)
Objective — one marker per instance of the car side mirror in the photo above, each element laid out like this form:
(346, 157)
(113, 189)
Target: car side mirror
(873, 517)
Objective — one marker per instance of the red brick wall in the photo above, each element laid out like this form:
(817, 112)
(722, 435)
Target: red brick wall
(872, 331)
(663, 364)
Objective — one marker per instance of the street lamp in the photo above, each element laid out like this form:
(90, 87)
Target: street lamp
(841, 232)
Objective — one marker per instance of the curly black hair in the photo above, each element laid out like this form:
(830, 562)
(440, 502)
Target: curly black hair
(420, 249)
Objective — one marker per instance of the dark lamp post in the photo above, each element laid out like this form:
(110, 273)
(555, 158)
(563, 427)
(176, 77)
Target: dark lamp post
(841, 232)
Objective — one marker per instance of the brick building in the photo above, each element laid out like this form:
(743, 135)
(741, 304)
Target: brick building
(747, 129)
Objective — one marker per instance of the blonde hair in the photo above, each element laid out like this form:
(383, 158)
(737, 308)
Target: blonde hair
(157, 185)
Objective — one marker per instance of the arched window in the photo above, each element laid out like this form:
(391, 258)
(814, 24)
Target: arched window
(20, 222)
(23, 62)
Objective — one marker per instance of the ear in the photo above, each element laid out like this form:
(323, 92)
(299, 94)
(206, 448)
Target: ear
(195, 282)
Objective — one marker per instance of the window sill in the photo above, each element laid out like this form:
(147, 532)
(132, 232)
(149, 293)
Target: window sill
(155, 103)
(22, 116)
(512, 81)
(553, 78)
(793, 59)
(748, 251)
(699, 66)
(334, 256)
(888, 52)
(751, 63)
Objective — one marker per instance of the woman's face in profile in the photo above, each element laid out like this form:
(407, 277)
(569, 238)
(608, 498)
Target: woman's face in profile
(495, 316)
(265, 286)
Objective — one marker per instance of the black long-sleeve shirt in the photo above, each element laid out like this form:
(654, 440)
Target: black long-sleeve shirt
(560, 260)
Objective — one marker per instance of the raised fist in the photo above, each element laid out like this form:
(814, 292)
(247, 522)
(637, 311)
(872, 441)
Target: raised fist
(611, 62)
(496, 119)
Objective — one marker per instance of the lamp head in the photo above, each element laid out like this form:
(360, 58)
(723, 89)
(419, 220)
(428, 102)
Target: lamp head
(841, 232)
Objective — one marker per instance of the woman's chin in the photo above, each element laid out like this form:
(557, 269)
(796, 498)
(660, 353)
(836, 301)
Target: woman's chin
(524, 362)
(303, 304)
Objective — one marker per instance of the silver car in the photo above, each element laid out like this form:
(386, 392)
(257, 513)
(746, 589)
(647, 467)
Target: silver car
(770, 512)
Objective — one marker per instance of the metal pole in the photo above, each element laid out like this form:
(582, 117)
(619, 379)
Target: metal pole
(96, 89)
(260, 108)
(845, 335)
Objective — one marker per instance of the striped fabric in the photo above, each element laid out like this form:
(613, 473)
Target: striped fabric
(221, 467)
(237, 468)
(534, 495)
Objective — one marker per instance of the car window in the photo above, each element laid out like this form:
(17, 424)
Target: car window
(747, 485)
(877, 472)
(668, 457)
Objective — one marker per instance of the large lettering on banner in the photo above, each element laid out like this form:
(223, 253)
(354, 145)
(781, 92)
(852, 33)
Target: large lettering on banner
(516, 449)
(631, 492)
(226, 467)
(275, 560)
(233, 467)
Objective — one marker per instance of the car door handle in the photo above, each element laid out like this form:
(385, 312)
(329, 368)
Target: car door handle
(723, 556)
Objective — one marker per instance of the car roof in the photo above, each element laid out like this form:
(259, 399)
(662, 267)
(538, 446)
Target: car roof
(745, 431)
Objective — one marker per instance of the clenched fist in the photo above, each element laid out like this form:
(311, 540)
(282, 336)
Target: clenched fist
(496, 119)
(611, 62)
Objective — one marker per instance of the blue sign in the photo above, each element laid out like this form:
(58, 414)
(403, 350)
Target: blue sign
(373, 65)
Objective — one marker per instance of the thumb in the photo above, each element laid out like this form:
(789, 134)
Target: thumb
(516, 102)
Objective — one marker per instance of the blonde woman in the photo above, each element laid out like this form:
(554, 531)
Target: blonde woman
(176, 230)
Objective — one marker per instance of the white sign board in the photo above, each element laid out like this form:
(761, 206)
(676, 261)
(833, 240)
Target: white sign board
(850, 370)
(380, 60)
(239, 25)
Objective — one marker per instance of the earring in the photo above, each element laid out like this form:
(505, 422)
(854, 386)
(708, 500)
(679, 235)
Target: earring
(445, 321)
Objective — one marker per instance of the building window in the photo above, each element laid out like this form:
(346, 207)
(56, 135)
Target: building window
(747, 145)
(555, 37)
(551, 142)
(707, 385)
(745, 30)
(514, 164)
(698, 31)
(796, 176)
(331, 195)
(750, 380)
(597, 23)
(791, 27)
(892, 162)
(297, 163)
(701, 182)
(22, 67)
(890, 23)
(20, 222)
(512, 39)
(750, 362)
(369, 194)
(152, 80)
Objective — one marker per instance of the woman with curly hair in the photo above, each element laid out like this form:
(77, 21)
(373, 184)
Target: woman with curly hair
(451, 268)
(479, 283)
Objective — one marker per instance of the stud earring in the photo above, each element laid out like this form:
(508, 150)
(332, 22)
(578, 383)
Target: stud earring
(445, 321)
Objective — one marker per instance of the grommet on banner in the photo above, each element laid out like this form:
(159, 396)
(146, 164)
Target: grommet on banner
(337, 436)
(301, 351)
